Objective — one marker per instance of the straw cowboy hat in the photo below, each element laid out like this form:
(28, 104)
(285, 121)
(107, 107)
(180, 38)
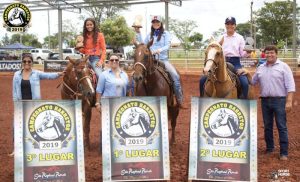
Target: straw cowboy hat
(137, 21)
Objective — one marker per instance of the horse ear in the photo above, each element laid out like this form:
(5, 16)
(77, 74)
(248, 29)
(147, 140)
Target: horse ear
(86, 58)
(150, 43)
(71, 60)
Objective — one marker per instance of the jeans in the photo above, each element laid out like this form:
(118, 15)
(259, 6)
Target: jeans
(176, 81)
(93, 60)
(235, 61)
(271, 107)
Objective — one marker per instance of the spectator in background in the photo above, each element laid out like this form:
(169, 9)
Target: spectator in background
(113, 82)
(92, 43)
(262, 58)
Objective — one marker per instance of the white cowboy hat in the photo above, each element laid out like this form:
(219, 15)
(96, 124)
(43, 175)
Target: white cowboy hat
(137, 21)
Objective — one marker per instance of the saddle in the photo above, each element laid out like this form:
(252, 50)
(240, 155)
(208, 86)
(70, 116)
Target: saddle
(160, 66)
(235, 78)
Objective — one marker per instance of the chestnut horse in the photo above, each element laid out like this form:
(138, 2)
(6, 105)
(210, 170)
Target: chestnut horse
(220, 83)
(77, 84)
(149, 81)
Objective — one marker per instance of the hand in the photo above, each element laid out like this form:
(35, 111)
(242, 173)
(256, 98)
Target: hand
(99, 64)
(156, 51)
(242, 71)
(288, 106)
(62, 73)
(98, 107)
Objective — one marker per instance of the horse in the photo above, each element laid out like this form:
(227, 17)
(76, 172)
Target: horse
(225, 119)
(136, 118)
(150, 80)
(51, 121)
(221, 81)
(17, 17)
(77, 84)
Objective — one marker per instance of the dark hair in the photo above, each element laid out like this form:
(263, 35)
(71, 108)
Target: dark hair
(85, 32)
(28, 55)
(161, 31)
(114, 54)
(271, 48)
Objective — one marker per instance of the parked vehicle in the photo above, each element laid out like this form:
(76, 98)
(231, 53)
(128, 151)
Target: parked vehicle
(68, 52)
(39, 55)
(4, 56)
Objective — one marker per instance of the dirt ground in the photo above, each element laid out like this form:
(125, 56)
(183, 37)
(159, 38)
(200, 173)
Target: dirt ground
(178, 152)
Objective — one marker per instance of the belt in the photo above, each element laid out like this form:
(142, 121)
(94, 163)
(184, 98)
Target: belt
(277, 97)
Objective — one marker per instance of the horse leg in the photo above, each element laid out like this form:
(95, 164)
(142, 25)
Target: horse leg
(86, 116)
(174, 111)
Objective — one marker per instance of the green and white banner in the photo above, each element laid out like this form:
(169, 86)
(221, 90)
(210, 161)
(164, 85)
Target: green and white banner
(48, 141)
(135, 145)
(223, 140)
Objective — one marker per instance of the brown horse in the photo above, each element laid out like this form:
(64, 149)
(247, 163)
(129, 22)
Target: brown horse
(220, 83)
(77, 84)
(151, 81)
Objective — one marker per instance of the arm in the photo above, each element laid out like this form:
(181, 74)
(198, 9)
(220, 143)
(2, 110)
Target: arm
(290, 87)
(49, 76)
(167, 42)
(289, 101)
(15, 98)
(102, 47)
(242, 44)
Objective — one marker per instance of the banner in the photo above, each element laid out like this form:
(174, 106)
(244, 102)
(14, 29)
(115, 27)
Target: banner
(48, 141)
(10, 66)
(135, 139)
(55, 65)
(223, 140)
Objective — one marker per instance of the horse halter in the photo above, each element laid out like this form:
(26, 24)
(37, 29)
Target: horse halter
(147, 57)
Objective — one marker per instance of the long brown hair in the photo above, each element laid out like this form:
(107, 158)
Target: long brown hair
(161, 31)
(95, 32)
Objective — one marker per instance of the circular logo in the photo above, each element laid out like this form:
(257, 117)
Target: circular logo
(16, 15)
(49, 122)
(224, 120)
(135, 119)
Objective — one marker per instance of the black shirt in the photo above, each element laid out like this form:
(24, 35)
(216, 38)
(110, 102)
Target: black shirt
(26, 90)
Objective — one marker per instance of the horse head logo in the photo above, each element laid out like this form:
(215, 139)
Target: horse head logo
(51, 122)
(136, 118)
(225, 119)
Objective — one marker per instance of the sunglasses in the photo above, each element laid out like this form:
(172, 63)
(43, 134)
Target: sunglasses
(114, 60)
(27, 62)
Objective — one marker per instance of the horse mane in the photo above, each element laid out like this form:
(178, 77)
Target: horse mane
(214, 43)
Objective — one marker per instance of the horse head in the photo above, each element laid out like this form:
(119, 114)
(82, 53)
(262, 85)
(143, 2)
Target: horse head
(213, 57)
(48, 122)
(78, 76)
(221, 120)
(143, 61)
(131, 120)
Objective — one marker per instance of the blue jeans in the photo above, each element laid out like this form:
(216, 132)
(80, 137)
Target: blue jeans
(176, 81)
(93, 60)
(235, 61)
(271, 107)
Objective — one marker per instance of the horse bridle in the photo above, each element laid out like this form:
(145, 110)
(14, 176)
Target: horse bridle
(76, 93)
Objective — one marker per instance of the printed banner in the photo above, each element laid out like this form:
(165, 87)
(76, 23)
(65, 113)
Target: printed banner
(55, 65)
(48, 141)
(135, 139)
(223, 140)
(10, 66)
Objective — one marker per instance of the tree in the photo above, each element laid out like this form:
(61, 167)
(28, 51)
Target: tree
(275, 21)
(117, 33)
(5, 40)
(100, 13)
(244, 29)
(196, 40)
(27, 39)
(182, 30)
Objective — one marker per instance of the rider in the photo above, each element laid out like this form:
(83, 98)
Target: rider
(159, 48)
(233, 47)
(93, 44)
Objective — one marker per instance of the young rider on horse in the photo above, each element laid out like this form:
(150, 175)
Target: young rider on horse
(233, 45)
(93, 44)
(159, 48)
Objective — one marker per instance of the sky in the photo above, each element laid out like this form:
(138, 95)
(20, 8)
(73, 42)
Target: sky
(208, 14)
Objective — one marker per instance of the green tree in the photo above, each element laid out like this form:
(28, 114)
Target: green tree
(117, 33)
(27, 39)
(196, 40)
(274, 21)
(183, 30)
(53, 42)
(107, 10)
(5, 40)
(244, 29)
